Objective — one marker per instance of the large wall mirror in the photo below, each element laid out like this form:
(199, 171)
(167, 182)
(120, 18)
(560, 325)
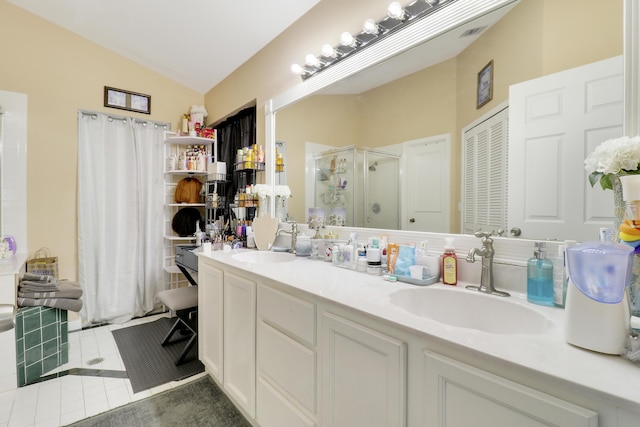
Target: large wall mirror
(427, 92)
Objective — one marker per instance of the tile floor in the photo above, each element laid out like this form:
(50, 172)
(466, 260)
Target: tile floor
(67, 399)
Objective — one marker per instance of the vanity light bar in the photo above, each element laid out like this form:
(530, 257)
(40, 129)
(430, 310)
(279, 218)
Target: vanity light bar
(372, 31)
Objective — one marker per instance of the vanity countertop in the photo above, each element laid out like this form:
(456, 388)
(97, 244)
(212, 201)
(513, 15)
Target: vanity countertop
(608, 377)
(13, 265)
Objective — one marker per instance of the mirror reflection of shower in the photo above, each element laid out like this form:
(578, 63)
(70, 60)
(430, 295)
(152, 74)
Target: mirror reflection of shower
(361, 185)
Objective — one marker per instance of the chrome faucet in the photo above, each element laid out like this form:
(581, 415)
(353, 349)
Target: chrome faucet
(486, 253)
(294, 235)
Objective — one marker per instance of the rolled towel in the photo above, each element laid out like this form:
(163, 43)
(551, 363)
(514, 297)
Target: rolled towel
(39, 278)
(67, 290)
(28, 286)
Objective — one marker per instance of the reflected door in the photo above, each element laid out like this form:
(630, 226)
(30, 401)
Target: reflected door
(554, 123)
(426, 205)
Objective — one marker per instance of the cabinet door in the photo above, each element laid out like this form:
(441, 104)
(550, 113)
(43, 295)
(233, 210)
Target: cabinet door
(458, 395)
(210, 319)
(363, 376)
(240, 341)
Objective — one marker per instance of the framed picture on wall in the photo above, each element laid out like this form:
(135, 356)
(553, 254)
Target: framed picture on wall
(127, 100)
(485, 85)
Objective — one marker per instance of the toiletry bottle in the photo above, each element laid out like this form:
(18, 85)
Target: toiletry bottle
(540, 277)
(559, 278)
(373, 256)
(449, 263)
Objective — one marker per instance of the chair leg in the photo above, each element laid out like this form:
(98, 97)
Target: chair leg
(171, 332)
(186, 349)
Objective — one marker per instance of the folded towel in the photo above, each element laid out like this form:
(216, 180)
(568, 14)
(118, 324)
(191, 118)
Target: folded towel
(29, 286)
(39, 278)
(67, 290)
(71, 304)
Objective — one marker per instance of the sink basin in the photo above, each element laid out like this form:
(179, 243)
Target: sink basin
(264, 257)
(472, 310)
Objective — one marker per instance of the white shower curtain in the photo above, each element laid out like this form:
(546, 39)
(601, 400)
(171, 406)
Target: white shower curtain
(120, 224)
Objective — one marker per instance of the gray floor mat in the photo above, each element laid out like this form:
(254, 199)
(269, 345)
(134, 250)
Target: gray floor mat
(149, 364)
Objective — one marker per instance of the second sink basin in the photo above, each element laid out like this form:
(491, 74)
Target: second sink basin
(473, 310)
(264, 257)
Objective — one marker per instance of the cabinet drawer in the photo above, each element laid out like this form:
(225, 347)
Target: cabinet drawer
(288, 364)
(274, 410)
(288, 313)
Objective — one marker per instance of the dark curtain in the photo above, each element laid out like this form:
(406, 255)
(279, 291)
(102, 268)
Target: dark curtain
(235, 133)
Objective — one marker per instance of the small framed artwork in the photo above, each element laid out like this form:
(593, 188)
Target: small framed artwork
(127, 100)
(485, 85)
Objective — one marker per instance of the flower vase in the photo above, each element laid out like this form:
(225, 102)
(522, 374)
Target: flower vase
(263, 206)
(619, 217)
(281, 211)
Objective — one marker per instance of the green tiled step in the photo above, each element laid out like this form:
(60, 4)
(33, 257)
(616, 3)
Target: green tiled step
(42, 342)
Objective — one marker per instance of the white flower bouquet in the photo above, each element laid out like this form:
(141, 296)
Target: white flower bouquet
(262, 190)
(620, 156)
(282, 191)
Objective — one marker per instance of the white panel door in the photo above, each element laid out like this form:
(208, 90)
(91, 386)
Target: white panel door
(363, 376)
(459, 395)
(210, 319)
(427, 184)
(240, 341)
(554, 123)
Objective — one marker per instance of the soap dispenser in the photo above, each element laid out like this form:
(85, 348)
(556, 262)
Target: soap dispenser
(540, 277)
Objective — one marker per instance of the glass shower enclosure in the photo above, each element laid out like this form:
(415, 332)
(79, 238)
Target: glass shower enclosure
(358, 187)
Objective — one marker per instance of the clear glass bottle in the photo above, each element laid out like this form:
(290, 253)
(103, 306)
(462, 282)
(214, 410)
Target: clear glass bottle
(540, 277)
(559, 278)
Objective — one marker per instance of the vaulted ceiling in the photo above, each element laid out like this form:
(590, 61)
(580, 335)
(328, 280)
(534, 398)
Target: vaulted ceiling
(196, 43)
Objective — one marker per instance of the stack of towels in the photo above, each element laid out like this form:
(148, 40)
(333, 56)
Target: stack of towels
(40, 290)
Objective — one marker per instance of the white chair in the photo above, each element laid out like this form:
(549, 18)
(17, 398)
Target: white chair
(184, 302)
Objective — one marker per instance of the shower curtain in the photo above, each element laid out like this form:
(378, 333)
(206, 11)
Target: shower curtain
(120, 223)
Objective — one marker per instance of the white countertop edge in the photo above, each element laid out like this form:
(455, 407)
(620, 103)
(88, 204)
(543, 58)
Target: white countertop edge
(13, 265)
(608, 377)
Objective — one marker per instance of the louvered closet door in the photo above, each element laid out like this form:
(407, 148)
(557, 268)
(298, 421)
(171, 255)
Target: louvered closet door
(485, 170)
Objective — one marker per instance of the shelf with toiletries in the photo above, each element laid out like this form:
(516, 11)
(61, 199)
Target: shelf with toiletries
(249, 166)
(186, 169)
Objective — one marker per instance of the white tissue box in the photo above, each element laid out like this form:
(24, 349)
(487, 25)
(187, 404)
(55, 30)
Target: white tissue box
(217, 170)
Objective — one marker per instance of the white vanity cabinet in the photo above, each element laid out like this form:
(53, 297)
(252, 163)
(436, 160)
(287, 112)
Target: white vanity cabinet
(211, 319)
(240, 340)
(286, 360)
(459, 395)
(364, 375)
(290, 357)
(227, 331)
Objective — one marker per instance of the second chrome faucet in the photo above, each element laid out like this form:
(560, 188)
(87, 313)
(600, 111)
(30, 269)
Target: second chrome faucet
(486, 253)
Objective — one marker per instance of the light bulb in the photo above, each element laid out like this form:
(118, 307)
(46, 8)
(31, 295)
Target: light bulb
(370, 27)
(311, 60)
(395, 10)
(297, 69)
(328, 51)
(346, 39)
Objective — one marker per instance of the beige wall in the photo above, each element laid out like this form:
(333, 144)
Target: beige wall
(536, 38)
(62, 73)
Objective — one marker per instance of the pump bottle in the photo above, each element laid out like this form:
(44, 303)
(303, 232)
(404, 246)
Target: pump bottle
(540, 277)
(449, 263)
